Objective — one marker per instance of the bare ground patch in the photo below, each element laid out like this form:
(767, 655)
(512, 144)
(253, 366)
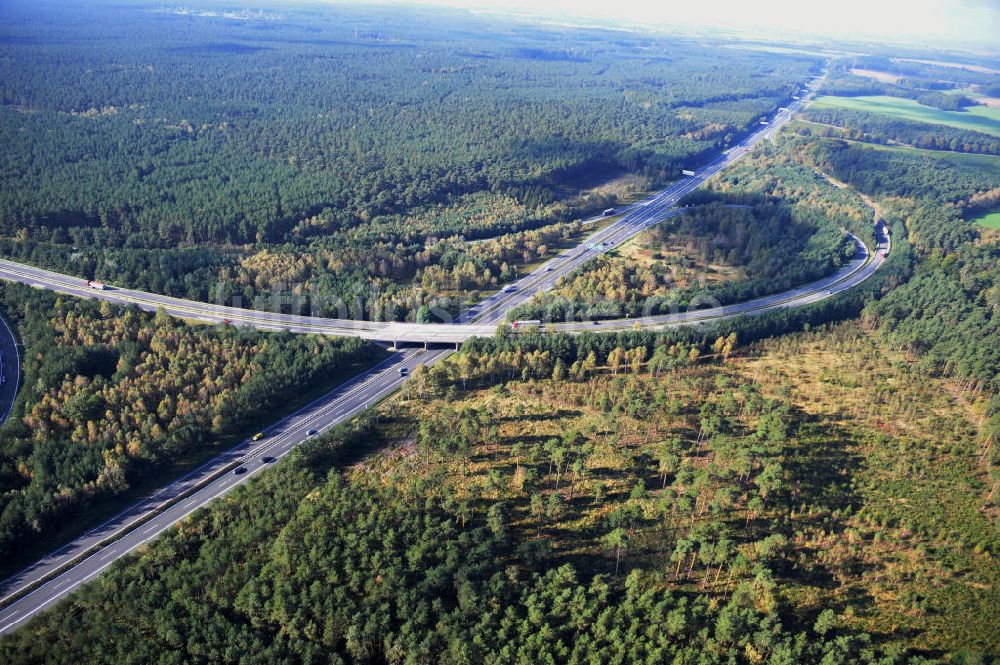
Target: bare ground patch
(884, 77)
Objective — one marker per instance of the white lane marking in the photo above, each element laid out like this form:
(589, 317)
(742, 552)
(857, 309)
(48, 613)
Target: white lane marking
(680, 189)
(331, 394)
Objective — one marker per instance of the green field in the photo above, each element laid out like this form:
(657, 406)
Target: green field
(957, 158)
(977, 118)
(990, 220)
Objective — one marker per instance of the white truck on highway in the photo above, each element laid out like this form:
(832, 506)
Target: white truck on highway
(100, 286)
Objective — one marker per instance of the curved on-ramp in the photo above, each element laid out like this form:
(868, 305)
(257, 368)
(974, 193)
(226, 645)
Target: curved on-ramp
(856, 271)
(43, 584)
(479, 320)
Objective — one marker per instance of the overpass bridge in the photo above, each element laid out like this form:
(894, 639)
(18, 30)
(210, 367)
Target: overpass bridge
(57, 574)
(482, 318)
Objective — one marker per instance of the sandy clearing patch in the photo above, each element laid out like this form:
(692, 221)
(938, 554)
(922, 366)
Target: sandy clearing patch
(955, 65)
(884, 77)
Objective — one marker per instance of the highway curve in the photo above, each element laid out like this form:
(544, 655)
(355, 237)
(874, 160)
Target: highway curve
(857, 270)
(10, 369)
(481, 319)
(60, 572)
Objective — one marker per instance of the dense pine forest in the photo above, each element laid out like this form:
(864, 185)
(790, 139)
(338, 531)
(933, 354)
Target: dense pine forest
(272, 146)
(811, 485)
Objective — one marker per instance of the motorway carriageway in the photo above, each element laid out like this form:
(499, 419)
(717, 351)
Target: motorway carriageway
(99, 548)
(10, 369)
(65, 569)
(478, 321)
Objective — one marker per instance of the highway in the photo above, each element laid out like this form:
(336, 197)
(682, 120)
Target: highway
(636, 218)
(857, 270)
(97, 549)
(10, 369)
(216, 314)
(65, 569)
(478, 321)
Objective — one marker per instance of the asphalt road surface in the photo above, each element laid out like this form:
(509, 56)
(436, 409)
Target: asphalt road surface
(861, 267)
(144, 521)
(60, 572)
(480, 320)
(10, 369)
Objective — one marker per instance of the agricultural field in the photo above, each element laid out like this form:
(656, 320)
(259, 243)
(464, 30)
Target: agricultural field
(883, 77)
(979, 118)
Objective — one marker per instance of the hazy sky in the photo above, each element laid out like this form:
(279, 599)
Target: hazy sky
(975, 23)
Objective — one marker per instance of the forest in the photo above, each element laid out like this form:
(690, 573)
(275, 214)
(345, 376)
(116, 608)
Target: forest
(203, 156)
(938, 295)
(114, 398)
(812, 485)
(766, 225)
(697, 510)
(948, 314)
